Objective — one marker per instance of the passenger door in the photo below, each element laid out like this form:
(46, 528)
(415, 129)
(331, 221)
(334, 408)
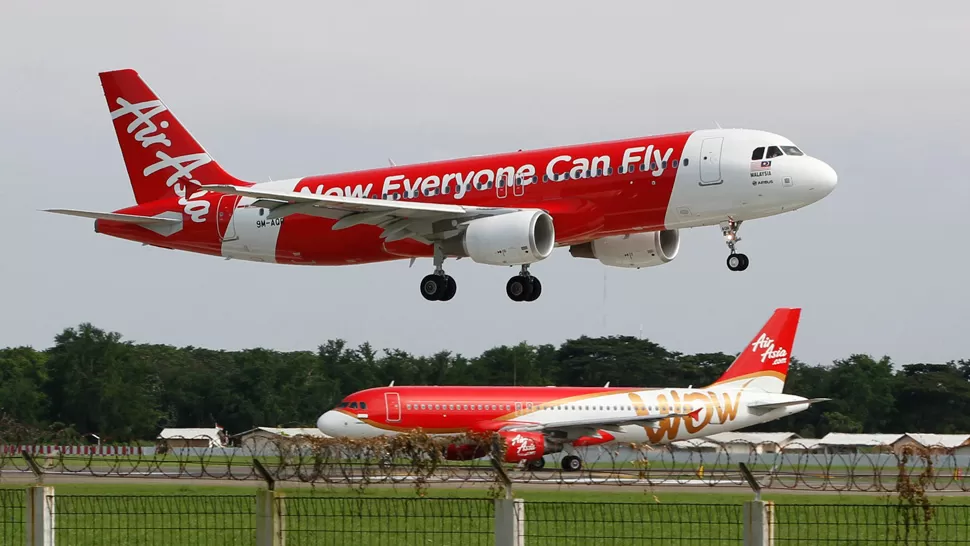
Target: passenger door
(392, 401)
(711, 161)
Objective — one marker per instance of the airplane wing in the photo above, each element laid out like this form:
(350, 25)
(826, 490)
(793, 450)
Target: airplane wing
(400, 219)
(594, 424)
(166, 223)
(768, 406)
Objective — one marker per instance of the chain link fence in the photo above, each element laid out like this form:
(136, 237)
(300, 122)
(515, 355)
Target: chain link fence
(12, 517)
(804, 524)
(304, 519)
(83, 520)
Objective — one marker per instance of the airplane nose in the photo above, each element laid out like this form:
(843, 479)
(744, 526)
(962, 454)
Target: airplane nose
(333, 423)
(825, 177)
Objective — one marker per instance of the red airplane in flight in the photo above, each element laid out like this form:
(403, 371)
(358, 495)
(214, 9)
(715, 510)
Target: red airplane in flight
(537, 421)
(621, 202)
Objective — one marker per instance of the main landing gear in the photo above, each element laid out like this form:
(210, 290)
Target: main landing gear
(571, 463)
(735, 261)
(438, 286)
(523, 287)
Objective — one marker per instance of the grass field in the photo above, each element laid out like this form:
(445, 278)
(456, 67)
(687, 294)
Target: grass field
(176, 513)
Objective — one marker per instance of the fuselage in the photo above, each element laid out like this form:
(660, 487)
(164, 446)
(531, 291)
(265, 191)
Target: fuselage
(592, 191)
(456, 410)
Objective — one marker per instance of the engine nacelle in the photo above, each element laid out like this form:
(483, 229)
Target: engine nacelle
(634, 250)
(514, 238)
(523, 446)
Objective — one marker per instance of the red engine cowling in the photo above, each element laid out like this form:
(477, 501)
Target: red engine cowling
(523, 446)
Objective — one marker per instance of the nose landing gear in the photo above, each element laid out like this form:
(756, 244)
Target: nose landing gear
(735, 261)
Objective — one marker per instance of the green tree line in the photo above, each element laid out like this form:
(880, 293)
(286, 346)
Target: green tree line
(93, 381)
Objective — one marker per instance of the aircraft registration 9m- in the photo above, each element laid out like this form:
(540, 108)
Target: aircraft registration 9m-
(537, 421)
(621, 202)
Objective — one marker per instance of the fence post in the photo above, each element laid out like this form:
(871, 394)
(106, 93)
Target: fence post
(509, 522)
(759, 523)
(269, 520)
(40, 516)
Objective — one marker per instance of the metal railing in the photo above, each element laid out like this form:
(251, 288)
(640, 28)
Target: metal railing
(797, 524)
(12, 517)
(153, 519)
(632, 523)
(271, 518)
(383, 521)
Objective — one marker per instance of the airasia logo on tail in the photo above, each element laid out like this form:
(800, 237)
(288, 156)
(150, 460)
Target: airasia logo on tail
(148, 134)
(767, 346)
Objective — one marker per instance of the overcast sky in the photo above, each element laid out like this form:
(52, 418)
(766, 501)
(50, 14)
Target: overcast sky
(288, 89)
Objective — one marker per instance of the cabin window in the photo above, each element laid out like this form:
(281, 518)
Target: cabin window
(674, 164)
(758, 153)
(653, 165)
(685, 162)
(664, 163)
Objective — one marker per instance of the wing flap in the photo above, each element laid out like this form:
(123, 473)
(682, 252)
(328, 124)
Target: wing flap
(768, 406)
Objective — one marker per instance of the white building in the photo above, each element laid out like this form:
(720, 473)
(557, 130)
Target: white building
(260, 438)
(191, 437)
(739, 442)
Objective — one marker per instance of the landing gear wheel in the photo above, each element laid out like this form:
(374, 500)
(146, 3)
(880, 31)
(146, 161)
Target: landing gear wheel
(450, 290)
(537, 464)
(519, 288)
(433, 287)
(536, 289)
(571, 463)
(737, 262)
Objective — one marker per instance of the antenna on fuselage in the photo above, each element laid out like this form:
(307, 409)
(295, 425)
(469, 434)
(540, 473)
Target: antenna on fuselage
(606, 385)
(392, 383)
(718, 124)
(391, 162)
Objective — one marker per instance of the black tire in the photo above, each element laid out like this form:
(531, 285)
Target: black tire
(536, 289)
(433, 287)
(537, 464)
(518, 288)
(450, 289)
(744, 262)
(734, 262)
(571, 463)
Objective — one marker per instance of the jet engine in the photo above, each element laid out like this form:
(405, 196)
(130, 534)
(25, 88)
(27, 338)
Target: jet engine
(635, 250)
(526, 446)
(515, 238)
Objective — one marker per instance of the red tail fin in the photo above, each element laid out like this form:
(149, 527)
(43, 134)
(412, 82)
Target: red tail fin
(763, 364)
(161, 156)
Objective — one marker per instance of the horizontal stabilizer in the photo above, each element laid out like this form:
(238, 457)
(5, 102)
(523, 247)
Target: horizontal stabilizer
(164, 224)
(768, 406)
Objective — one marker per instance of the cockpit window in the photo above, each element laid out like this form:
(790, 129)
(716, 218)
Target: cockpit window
(342, 405)
(363, 405)
(773, 151)
(758, 153)
(791, 150)
(353, 405)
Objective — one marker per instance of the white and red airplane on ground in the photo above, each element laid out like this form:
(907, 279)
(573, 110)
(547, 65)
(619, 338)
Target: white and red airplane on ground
(621, 202)
(536, 421)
